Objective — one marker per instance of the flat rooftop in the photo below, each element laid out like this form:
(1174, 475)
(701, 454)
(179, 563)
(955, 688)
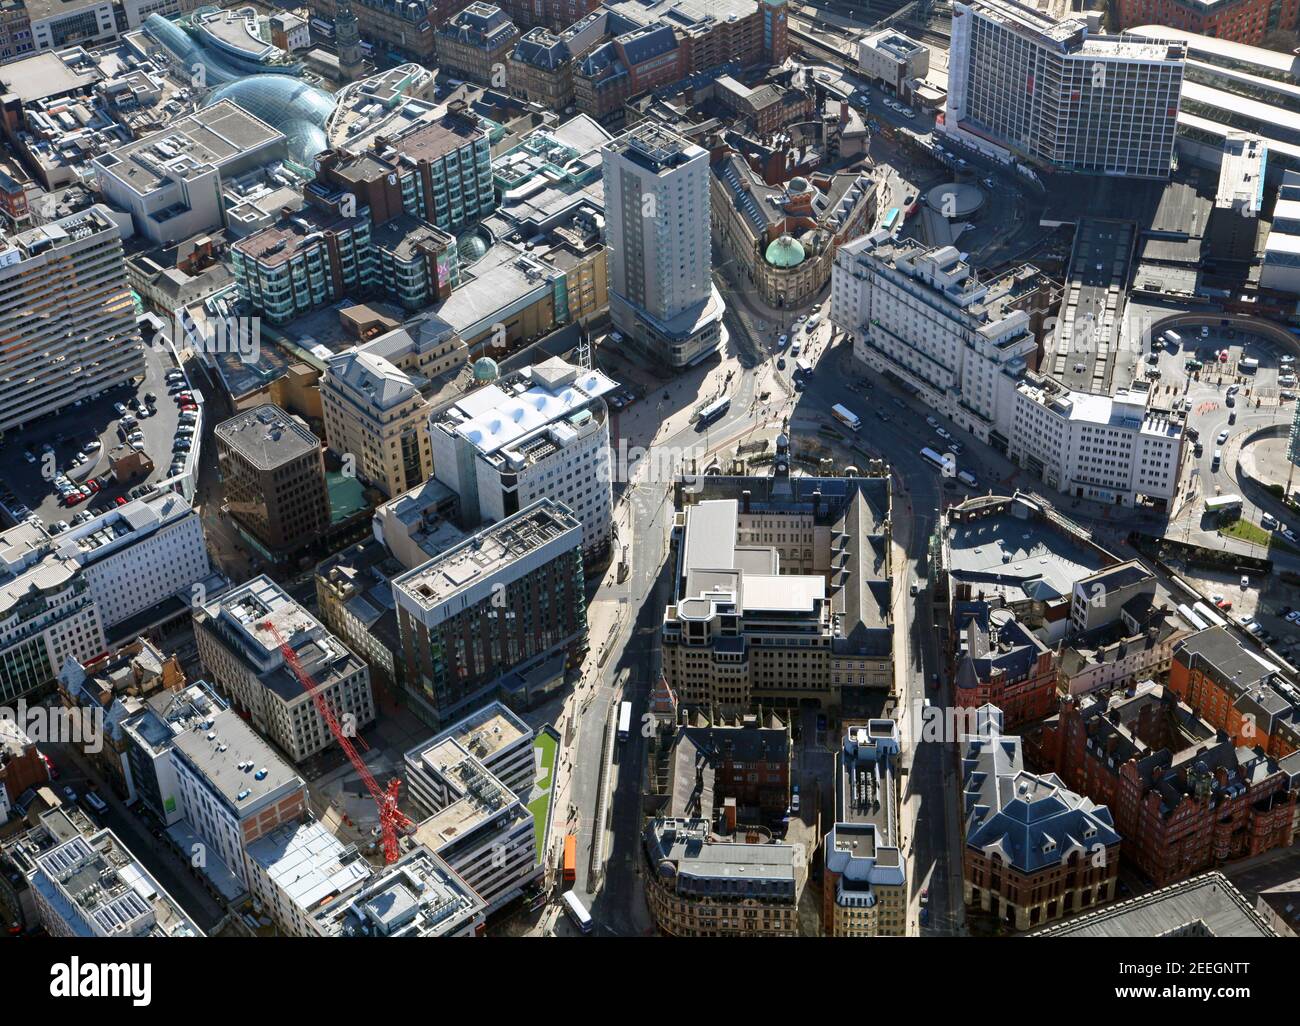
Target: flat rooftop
(267, 437)
(1018, 558)
(1205, 906)
(480, 796)
(308, 863)
(212, 137)
(485, 553)
(496, 416)
(235, 760)
(44, 75)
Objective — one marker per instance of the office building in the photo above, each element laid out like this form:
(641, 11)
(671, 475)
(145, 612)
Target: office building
(93, 886)
(893, 60)
(1116, 449)
(1186, 798)
(483, 830)
(437, 168)
(306, 260)
(781, 593)
(699, 884)
(923, 317)
(86, 340)
(233, 788)
(474, 44)
(147, 739)
(495, 736)
(171, 181)
(1058, 96)
(1000, 661)
(662, 296)
(741, 767)
(273, 471)
(139, 554)
(541, 433)
(1034, 850)
(1208, 905)
(298, 869)
(47, 613)
(503, 602)
(1237, 690)
(375, 398)
(864, 888)
(419, 895)
(244, 657)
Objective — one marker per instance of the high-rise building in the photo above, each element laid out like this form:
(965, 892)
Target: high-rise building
(495, 736)
(482, 829)
(273, 470)
(67, 322)
(661, 293)
(375, 401)
(542, 433)
(245, 660)
(1058, 96)
(507, 601)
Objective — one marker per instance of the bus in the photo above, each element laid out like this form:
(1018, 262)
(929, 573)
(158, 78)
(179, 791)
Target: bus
(944, 463)
(846, 417)
(803, 368)
(570, 858)
(712, 412)
(891, 220)
(1220, 503)
(577, 911)
(624, 720)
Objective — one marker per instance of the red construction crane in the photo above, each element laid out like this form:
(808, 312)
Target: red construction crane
(391, 819)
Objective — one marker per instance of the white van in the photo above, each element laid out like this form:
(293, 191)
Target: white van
(812, 324)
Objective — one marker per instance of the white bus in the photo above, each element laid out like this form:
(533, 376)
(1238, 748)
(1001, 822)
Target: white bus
(846, 416)
(944, 463)
(624, 720)
(1248, 364)
(1219, 503)
(577, 911)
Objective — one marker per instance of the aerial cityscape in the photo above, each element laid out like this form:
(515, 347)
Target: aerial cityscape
(649, 468)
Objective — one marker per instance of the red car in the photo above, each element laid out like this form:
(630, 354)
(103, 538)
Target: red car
(1224, 604)
(74, 498)
(120, 500)
(49, 767)
(93, 485)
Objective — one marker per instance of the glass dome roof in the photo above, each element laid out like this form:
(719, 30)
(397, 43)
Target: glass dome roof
(292, 106)
(785, 252)
(470, 247)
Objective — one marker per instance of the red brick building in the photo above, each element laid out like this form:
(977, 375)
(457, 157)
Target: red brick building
(21, 765)
(1241, 21)
(1034, 850)
(1235, 691)
(747, 761)
(1185, 798)
(999, 661)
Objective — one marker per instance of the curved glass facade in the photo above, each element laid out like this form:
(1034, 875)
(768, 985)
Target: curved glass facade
(294, 107)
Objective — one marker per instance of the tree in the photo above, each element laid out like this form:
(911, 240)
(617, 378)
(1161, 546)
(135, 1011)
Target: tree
(1281, 39)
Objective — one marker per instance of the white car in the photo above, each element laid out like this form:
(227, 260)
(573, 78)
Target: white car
(942, 434)
(1293, 616)
(1287, 359)
(1223, 436)
(1288, 534)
